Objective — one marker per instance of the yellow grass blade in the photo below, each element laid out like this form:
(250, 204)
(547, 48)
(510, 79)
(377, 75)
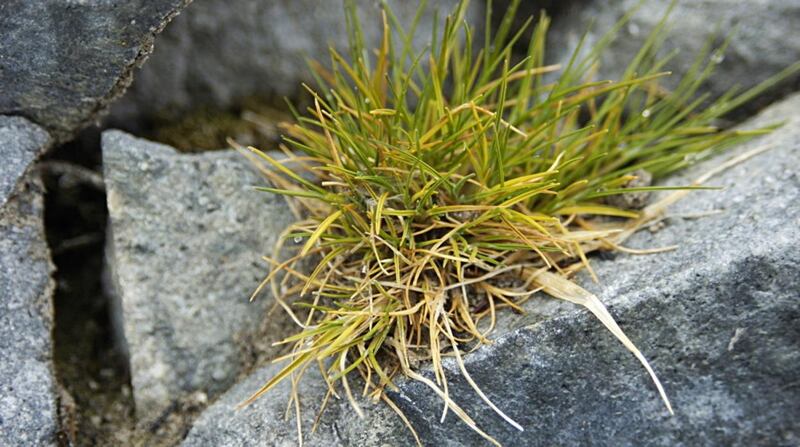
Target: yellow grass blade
(318, 232)
(598, 210)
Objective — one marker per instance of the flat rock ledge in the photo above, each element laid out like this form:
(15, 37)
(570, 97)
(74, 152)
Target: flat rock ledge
(28, 389)
(716, 318)
(187, 236)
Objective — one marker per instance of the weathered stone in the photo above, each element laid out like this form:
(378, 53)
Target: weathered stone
(21, 143)
(716, 318)
(28, 390)
(62, 62)
(263, 422)
(188, 232)
(759, 47)
(222, 53)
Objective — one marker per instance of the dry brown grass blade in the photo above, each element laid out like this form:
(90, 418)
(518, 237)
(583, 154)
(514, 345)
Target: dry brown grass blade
(562, 288)
(403, 418)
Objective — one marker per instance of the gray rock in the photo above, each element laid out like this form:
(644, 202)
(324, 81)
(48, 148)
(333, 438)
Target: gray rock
(222, 52)
(262, 423)
(716, 318)
(28, 390)
(188, 233)
(760, 48)
(62, 62)
(21, 143)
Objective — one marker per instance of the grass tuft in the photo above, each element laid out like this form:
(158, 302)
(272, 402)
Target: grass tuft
(435, 188)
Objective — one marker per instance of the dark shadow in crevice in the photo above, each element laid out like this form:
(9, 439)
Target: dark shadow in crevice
(97, 408)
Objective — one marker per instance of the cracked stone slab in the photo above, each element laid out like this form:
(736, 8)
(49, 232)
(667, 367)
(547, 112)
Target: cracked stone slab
(63, 62)
(28, 388)
(187, 236)
(717, 318)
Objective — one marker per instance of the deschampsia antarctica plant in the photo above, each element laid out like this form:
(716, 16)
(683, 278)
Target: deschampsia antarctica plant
(434, 188)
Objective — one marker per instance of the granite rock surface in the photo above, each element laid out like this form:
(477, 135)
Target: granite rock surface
(187, 236)
(28, 388)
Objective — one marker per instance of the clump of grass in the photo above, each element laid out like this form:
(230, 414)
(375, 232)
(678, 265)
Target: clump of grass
(426, 182)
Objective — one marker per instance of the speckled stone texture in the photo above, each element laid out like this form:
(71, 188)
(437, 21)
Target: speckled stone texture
(21, 143)
(188, 233)
(28, 390)
(717, 319)
(62, 62)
